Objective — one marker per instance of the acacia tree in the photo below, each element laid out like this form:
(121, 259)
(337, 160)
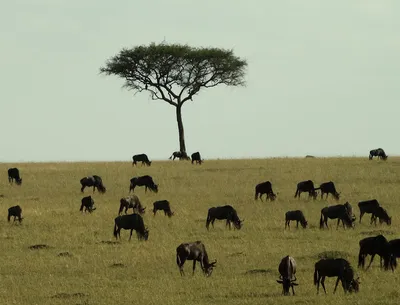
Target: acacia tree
(175, 73)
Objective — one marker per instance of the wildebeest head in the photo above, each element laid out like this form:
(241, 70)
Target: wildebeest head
(101, 189)
(272, 196)
(18, 181)
(145, 235)
(314, 194)
(336, 196)
(155, 188)
(304, 224)
(287, 283)
(237, 223)
(209, 268)
(354, 285)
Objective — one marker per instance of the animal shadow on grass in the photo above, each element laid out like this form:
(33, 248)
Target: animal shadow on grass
(117, 265)
(39, 247)
(109, 242)
(64, 254)
(259, 271)
(64, 295)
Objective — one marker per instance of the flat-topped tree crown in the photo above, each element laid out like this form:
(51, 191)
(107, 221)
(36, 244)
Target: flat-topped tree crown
(175, 73)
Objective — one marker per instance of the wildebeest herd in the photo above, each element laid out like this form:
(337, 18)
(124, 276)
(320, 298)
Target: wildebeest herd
(388, 251)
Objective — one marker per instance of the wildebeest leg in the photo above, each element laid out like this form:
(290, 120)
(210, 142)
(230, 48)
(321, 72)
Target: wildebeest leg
(287, 224)
(337, 283)
(212, 222)
(372, 258)
(145, 188)
(297, 224)
(323, 283)
(338, 223)
(292, 289)
(94, 188)
(361, 215)
(130, 236)
(82, 188)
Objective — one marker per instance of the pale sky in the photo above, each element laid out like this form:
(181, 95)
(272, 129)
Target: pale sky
(323, 78)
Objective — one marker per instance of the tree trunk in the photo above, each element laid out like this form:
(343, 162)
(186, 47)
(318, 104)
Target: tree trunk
(182, 146)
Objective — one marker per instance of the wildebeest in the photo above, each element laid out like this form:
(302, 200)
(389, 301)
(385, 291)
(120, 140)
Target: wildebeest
(375, 245)
(383, 216)
(339, 267)
(264, 188)
(394, 249)
(87, 203)
(379, 152)
(162, 205)
(15, 211)
(341, 212)
(196, 252)
(368, 206)
(13, 173)
(306, 186)
(131, 202)
(328, 188)
(224, 212)
(94, 181)
(196, 157)
(310, 156)
(297, 216)
(180, 155)
(130, 222)
(287, 271)
(146, 181)
(141, 158)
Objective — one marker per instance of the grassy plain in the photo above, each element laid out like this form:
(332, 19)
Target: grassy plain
(136, 272)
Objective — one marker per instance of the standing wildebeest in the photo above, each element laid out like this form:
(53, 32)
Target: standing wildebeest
(341, 212)
(298, 216)
(180, 155)
(394, 249)
(141, 158)
(383, 216)
(328, 188)
(339, 267)
(372, 246)
(368, 206)
(379, 152)
(131, 202)
(146, 181)
(264, 188)
(287, 270)
(13, 173)
(306, 186)
(94, 181)
(130, 222)
(224, 212)
(196, 252)
(87, 203)
(162, 205)
(15, 211)
(196, 157)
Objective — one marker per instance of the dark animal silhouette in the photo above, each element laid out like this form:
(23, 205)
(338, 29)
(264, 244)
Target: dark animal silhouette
(376, 245)
(87, 203)
(141, 158)
(146, 181)
(196, 252)
(379, 153)
(341, 212)
(131, 202)
(310, 156)
(287, 271)
(16, 212)
(197, 158)
(297, 216)
(306, 187)
(13, 174)
(131, 222)
(328, 188)
(94, 181)
(332, 267)
(162, 205)
(264, 188)
(394, 249)
(383, 216)
(180, 155)
(224, 212)
(368, 206)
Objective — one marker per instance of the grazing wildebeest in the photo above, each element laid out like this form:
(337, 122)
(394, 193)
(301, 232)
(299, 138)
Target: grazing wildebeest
(339, 267)
(306, 186)
(146, 181)
(87, 203)
(162, 205)
(287, 270)
(264, 188)
(328, 188)
(141, 158)
(196, 157)
(15, 211)
(180, 155)
(297, 216)
(130, 222)
(379, 152)
(196, 252)
(394, 249)
(310, 156)
(341, 212)
(375, 245)
(383, 216)
(131, 202)
(94, 181)
(368, 206)
(13, 173)
(224, 212)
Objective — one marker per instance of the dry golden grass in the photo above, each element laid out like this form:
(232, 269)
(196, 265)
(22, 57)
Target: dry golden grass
(50, 198)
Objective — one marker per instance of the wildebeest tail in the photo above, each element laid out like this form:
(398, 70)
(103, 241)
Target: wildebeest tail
(81, 207)
(361, 259)
(121, 206)
(178, 259)
(115, 230)
(9, 216)
(321, 221)
(297, 192)
(315, 276)
(256, 195)
(208, 220)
